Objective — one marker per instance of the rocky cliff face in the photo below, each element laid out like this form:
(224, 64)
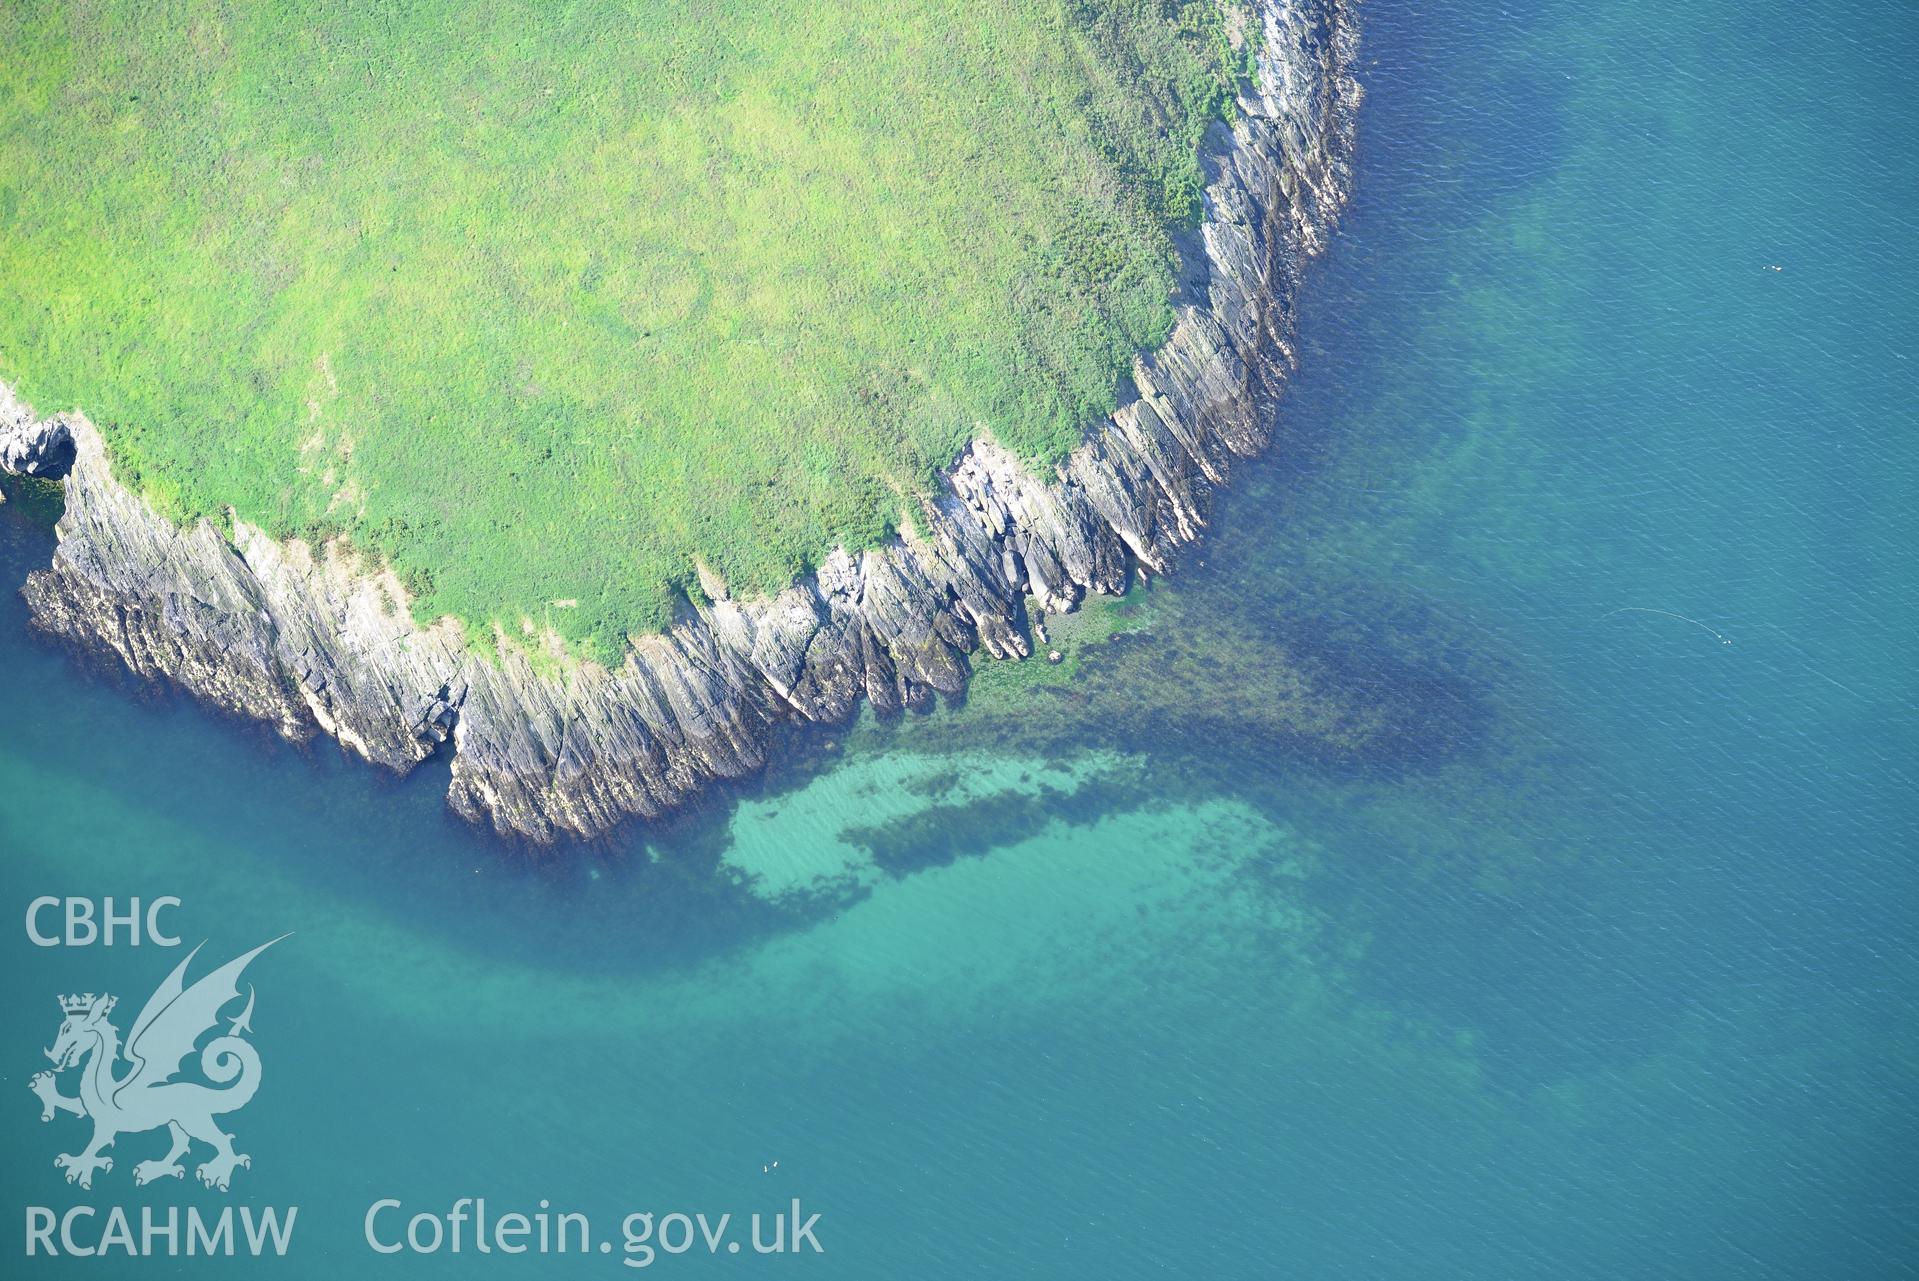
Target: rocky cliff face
(317, 641)
(29, 447)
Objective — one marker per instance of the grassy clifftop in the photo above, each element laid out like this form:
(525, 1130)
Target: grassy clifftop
(542, 302)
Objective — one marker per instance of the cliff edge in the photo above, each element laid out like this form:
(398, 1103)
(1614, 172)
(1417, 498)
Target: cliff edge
(316, 640)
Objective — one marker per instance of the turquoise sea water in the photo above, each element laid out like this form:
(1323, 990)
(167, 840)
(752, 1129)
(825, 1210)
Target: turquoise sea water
(1593, 958)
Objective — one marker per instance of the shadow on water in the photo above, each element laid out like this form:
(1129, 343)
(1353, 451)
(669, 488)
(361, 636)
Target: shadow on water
(658, 895)
(652, 897)
(1267, 660)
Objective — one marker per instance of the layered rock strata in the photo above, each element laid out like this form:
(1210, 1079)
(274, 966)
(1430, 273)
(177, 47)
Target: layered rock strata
(319, 641)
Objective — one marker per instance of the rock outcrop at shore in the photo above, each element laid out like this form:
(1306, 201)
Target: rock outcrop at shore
(31, 447)
(316, 640)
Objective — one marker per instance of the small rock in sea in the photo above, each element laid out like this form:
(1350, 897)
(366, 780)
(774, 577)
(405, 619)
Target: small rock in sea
(1054, 656)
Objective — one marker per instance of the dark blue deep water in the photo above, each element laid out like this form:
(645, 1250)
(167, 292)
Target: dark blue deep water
(1590, 952)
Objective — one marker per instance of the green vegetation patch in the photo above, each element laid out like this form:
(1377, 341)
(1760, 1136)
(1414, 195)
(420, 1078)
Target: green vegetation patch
(543, 301)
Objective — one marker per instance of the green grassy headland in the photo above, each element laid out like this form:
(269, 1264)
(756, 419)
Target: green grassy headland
(543, 301)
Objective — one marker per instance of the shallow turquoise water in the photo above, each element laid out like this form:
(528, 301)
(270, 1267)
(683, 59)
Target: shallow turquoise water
(1603, 965)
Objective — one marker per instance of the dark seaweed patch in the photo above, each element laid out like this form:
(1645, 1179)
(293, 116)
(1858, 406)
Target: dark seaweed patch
(941, 835)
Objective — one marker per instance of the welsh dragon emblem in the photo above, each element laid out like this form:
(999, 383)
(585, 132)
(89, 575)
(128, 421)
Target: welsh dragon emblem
(146, 1096)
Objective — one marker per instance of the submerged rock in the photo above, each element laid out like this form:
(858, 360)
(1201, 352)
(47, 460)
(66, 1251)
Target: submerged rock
(318, 641)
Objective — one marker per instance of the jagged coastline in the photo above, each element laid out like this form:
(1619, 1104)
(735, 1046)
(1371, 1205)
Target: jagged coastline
(315, 640)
